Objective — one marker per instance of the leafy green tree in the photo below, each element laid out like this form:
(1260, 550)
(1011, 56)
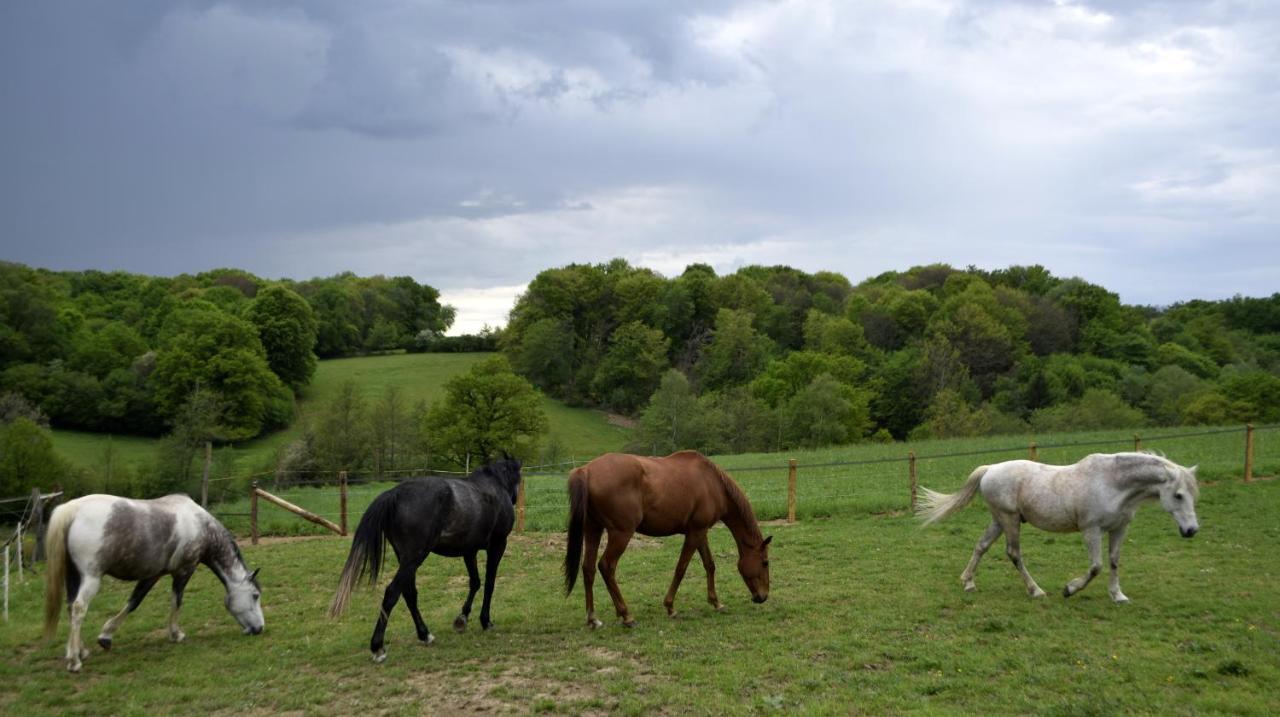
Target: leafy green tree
(632, 367)
(673, 419)
(342, 436)
(833, 335)
(486, 411)
(825, 413)
(1170, 390)
(785, 377)
(206, 349)
(544, 354)
(738, 422)
(27, 458)
(950, 416)
(111, 346)
(389, 426)
(1095, 410)
(736, 352)
(287, 329)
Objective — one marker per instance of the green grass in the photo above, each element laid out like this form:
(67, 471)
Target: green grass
(420, 377)
(865, 616)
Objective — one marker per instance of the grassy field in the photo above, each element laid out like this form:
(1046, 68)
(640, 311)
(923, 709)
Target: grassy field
(420, 377)
(866, 616)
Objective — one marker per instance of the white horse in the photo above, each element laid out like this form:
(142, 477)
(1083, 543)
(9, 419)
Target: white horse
(1100, 493)
(140, 540)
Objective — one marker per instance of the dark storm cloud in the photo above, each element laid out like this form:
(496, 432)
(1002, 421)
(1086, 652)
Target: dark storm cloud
(471, 144)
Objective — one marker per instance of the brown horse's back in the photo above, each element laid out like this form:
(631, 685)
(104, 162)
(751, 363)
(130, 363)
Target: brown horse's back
(654, 496)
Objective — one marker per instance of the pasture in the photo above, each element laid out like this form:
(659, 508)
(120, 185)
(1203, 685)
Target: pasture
(866, 615)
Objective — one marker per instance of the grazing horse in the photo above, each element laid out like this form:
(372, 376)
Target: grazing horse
(1099, 494)
(682, 493)
(140, 540)
(453, 517)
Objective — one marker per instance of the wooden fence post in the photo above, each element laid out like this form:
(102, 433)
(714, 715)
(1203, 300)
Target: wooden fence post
(253, 512)
(204, 479)
(6, 583)
(18, 545)
(342, 500)
(520, 506)
(1034, 453)
(1248, 453)
(911, 470)
(791, 490)
(1137, 443)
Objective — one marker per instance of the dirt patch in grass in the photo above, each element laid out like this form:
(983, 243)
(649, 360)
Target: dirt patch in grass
(621, 421)
(278, 539)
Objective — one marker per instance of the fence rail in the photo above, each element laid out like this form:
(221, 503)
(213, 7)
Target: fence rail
(788, 489)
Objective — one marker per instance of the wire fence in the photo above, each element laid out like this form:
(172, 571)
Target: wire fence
(874, 479)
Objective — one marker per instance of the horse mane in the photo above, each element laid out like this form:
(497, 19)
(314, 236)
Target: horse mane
(1177, 471)
(738, 499)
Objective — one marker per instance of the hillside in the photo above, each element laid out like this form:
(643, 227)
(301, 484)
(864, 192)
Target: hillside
(419, 377)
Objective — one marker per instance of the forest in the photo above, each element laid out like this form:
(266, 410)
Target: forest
(768, 358)
(762, 359)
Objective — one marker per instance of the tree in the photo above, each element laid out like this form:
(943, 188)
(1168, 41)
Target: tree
(632, 367)
(1095, 410)
(27, 458)
(287, 329)
(342, 431)
(736, 353)
(486, 411)
(389, 428)
(206, 349)
(825, 413)
(673, 419)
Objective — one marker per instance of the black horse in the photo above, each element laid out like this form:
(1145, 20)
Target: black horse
(453, 517)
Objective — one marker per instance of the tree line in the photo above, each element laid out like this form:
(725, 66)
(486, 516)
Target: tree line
(768, 358)
(128, 353)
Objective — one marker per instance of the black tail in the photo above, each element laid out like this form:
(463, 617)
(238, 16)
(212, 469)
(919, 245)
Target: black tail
(367, 549)
(577, 514)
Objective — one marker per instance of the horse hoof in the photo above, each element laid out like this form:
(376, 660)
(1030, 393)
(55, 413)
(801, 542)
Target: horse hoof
(460, 624)
(380, 656)
(104, 642)
(970, 588)
(1066, 592)
(486, 626)
(672, 614)
(1119, 599)
(427, 640)
(594, 624)
(628, 623)
(720, 608)
(84, 653)
(73, 666)
(177, 637)
(1038, 593)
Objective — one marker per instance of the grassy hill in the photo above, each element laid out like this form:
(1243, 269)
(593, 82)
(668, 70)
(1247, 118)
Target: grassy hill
(582, 432)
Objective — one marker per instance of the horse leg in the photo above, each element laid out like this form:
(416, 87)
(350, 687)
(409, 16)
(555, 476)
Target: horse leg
(139, 592)
(473, 572)
(984, 543)
(709, 565)
(1012, 548)
(590, 549)
(389, 600)
(409, 589)
(1115, 538)
(179, 586)
(76, 651)
(1093, 541)
(686, 554)
(492, 558)
(609, 571)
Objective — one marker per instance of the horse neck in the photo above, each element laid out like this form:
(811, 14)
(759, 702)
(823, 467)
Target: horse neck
(221, 556)
(741, 521)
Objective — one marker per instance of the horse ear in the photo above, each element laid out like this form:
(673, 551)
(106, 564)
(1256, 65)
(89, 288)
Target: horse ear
(1192, 470)
(766, 541)
(253, 576)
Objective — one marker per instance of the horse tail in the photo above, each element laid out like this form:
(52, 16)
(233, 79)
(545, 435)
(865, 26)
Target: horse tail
(55, 543)
(577, 516)
(935, 506)
(367, 549)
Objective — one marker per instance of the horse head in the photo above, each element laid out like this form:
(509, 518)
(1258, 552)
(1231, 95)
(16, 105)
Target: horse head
(753, 565)
(244, 603)
(1178, 498)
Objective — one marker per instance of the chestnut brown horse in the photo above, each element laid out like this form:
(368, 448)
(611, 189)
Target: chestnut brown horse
(682, 493)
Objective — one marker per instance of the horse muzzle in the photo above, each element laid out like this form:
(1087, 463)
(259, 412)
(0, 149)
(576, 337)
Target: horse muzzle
(253, 630)
(1189, 532)
(757, 599)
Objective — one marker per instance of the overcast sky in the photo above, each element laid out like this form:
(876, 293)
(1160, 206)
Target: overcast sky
(472, 144)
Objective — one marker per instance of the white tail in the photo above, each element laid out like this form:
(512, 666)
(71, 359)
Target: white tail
(934, 506)
(55, 543)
